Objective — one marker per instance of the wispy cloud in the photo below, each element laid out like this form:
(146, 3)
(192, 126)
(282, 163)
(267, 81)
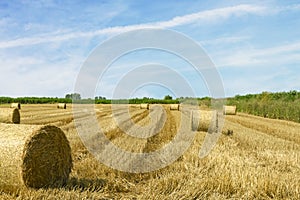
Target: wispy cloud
(204, 16)
(252, 44)
(225, 40)
(212, 15)
(32, 76)
(276, 55)
(3, 22)
(294, 7)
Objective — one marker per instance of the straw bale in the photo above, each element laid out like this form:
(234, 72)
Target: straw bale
(9, 115)
(144, 106)
(62, 105)
(203, 120)
(229, 110)
(33, 156)
(174, 107)
(15, 105)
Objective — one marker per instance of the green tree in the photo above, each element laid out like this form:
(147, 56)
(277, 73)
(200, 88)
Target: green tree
(73, 96)
(168, 97)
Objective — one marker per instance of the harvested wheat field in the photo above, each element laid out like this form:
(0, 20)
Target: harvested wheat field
(260, 160)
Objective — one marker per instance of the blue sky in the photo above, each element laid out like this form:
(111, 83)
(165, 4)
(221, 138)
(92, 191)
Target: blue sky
(255, 45)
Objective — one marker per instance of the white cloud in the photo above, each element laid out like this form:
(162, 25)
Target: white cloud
(204, 16)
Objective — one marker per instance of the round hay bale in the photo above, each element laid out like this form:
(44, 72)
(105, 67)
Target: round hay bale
(15, 105)
(202, 120)
(174, 107)
(144, 106)
(62, 105)
(229, 110)
(33, 156)
(10, 115)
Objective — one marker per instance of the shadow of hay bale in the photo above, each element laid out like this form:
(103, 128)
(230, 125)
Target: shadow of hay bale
(84, 184)
(228, 132)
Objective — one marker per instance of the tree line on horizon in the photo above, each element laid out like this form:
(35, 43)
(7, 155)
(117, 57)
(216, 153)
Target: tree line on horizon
(76, 98)
(277, 105)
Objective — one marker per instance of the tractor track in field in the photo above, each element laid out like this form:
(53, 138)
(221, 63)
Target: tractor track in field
(59, 117)
(166, 134)
(143, 127)
(114, 134)
(131, 144)
(127, 142)
(125, 124)
(110, 127)
(142, 145)
(40, 112)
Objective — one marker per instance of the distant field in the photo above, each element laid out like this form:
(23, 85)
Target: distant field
(261, 160)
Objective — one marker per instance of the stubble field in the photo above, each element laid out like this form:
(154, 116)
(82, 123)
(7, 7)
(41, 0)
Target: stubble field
(261, 160)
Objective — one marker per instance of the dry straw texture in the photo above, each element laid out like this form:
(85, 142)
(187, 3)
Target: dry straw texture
(15, 105)
(144, 106)
(229, 110)
(204, 120)
(174, 107)
(9, 115)
(62, 105)
(33, 156)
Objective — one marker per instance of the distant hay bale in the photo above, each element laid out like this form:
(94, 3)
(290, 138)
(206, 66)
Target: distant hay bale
(229, 110)
(62, 105)
(10, 115)
(33, 156)
(15, 105)
(144, 106)
(202, 120)
(174, 107)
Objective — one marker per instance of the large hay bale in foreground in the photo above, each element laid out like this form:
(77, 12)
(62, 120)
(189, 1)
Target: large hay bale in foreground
(229, 110)
(62, 105)
(202, 120)
(174, 107)
(9, 115)
(15, 105)
(144, 106)
(33, 156)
